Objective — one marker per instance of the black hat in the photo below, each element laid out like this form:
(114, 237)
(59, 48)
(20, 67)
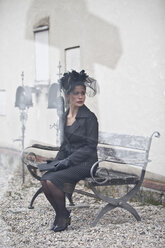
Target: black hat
(72, 79)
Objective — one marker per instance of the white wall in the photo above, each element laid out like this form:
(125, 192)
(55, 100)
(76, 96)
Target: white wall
(135, 90)
(121, 45)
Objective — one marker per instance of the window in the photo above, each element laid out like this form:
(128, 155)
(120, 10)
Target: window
(41, 55)
(2, 102)
(72, 58)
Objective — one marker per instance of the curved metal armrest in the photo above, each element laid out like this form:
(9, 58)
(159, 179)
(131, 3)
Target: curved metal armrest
(30, 157)
(102, 173)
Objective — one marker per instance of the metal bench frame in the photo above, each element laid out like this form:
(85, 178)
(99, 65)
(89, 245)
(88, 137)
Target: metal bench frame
(114, 148)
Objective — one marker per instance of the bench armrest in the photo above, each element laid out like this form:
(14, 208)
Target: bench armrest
(102, 173)
(37, 150)
(35, 153)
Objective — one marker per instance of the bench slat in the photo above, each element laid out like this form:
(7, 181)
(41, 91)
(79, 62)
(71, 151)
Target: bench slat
(123, 140)
(46, 147)
(123, 156)
(115, 178)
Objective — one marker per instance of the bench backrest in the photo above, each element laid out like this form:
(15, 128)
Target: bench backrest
(125, 149)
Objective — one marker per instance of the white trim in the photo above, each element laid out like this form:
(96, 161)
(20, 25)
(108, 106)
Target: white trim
(72, 58)
(42, 56)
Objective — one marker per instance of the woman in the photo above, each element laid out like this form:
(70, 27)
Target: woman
(78, 151)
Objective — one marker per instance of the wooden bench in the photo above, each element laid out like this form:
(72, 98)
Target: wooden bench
(112, 148)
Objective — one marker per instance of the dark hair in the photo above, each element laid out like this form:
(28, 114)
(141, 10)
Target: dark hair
(72, 79)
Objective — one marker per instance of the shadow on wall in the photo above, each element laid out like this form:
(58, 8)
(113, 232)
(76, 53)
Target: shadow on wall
(71, 20)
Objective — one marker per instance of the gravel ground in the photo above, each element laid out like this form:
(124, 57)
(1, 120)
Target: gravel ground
(22, 227)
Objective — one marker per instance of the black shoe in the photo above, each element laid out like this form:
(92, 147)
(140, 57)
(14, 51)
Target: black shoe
(53, 225)
(61, 227)
(68, 221)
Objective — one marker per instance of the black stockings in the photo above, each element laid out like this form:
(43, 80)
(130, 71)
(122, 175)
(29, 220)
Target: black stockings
(56, 197)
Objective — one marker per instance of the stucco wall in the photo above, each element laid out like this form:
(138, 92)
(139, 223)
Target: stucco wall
(121, 44)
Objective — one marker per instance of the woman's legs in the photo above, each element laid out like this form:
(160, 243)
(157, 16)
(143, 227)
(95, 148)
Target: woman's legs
(56, 197)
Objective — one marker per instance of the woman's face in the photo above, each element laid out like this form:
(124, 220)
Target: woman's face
(77, 96)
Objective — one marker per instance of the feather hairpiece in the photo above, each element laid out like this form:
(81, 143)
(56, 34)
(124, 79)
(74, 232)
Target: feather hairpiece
(72, 79)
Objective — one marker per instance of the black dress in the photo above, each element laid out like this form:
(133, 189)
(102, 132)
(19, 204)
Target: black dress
(80, 147)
